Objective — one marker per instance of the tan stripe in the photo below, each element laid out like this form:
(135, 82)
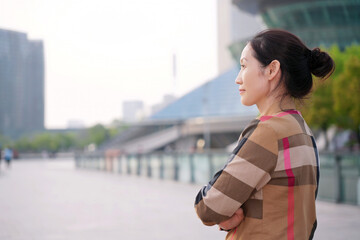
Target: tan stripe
(300, 156)
(305, 199)
(304, 175)
(275, 211)
(207, 215)
(233, 187)
(247, 172)
(257, 195)
(285, 126)
(221, 203)
(308, 130)
(265, 137)
(258, 156)
(297, 140)
(253, 208)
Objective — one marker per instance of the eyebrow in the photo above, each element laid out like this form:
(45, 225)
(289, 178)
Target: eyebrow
(243, 59)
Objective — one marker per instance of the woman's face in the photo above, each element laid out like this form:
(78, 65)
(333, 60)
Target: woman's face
(253, 85)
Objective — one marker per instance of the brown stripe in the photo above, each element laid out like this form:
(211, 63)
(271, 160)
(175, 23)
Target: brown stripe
(253, 208)
(304, 175)
(297, 140)
(300, 120)
(249, 129)
(207, 215)
(233, 187)
(258, 156)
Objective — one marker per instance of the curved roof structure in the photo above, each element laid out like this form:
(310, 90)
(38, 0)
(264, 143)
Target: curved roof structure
(316, 22)
(216, 98)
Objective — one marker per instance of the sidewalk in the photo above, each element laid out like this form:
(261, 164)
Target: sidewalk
(50, 199)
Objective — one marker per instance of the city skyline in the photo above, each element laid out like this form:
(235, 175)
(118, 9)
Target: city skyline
(100, 54)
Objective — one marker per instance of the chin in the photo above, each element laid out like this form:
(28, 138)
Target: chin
(246, 103)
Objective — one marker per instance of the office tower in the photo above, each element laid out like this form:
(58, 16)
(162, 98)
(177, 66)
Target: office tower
(21, 84)
(133, 111)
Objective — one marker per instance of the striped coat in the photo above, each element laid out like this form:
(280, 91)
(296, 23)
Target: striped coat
(273, 175)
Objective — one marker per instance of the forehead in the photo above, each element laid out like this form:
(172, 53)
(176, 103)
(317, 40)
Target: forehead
(246, 53)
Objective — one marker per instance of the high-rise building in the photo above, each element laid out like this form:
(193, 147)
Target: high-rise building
(233, 24)
(133, 111)
(21, 84)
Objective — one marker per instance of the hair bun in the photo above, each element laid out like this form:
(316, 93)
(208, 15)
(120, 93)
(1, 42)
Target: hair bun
(320, 63)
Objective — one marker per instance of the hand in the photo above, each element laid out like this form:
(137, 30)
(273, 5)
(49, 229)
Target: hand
(234, 221)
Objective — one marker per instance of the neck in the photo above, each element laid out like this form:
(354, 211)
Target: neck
(275, 105)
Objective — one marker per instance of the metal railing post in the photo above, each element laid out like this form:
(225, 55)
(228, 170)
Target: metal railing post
(192, 168)
(128, 168)
(338, 181)
(176, 167)
(211, 165)
(138, 167)
(161, 157)
(148, 165)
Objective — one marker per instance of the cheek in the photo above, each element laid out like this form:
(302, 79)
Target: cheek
(256, 89)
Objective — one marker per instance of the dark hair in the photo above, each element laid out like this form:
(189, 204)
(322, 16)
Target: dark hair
(297, 62)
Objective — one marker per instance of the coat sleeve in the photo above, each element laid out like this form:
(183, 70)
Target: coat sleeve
(247, 170)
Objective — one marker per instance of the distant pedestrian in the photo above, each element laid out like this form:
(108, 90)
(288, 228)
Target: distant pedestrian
(268, 187)
(8, 155)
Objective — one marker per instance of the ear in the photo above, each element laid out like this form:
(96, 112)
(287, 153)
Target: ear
(273, 70)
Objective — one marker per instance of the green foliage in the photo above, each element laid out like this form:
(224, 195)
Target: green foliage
(4, 141)
(319, 111)
(337, 100)
(96, 134)
(46, 141)
(347, 91)
(54, 142)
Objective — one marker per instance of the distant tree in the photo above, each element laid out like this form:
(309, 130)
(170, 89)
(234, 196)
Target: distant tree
(116, 127)
(318, 110)
(4, 141)
(347, 92)
(54, 142)
(97, 134)
(23, 145)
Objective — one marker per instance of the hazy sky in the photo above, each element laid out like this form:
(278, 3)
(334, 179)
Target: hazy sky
(100, 53)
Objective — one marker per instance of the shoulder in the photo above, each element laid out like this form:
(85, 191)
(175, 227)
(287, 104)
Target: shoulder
(288, 124)
(259, 134)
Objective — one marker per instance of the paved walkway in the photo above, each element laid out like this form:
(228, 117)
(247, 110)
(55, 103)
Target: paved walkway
(50, 199)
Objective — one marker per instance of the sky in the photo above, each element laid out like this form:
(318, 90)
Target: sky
(101, 53)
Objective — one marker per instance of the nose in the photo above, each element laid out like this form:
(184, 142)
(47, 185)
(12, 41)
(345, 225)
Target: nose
(238, 79)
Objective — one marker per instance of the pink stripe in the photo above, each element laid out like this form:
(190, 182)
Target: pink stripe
(233, 234)
(265, 118)
(291, 183)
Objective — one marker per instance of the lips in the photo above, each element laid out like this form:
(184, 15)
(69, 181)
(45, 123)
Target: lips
(241, 91)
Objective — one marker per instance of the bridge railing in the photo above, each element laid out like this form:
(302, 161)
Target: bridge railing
(339, 173)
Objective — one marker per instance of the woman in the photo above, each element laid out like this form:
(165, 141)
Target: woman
(268, 187)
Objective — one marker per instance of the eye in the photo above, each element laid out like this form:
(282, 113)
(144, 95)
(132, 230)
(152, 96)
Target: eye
(242, 66)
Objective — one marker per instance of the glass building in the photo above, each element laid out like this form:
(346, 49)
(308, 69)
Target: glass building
(316, 22)
(21, 84)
